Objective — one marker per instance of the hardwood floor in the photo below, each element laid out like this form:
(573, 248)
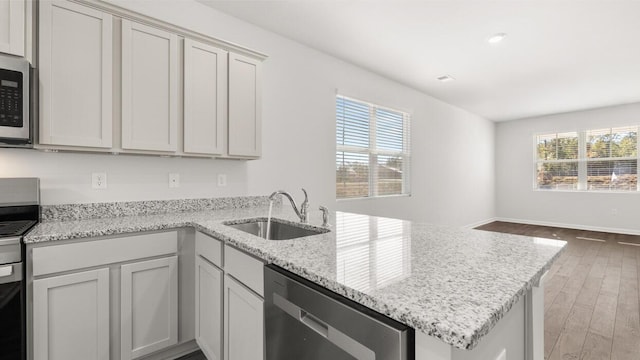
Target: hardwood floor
(591, 295)
(197, 355)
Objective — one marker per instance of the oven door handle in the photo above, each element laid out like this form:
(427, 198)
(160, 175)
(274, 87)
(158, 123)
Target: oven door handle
(6, 271)
(10, 273)
(10, 241)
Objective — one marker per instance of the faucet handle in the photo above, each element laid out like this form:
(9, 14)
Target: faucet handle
(325, 216)
(305, 203)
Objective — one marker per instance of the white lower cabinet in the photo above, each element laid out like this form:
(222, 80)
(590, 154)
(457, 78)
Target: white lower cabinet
(229, 304)
(117, 298)
(244, 322)
(126, 306)
(71, 316)
(209, 308)
(148, 306)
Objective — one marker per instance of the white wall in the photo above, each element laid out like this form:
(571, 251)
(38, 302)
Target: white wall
(66, 177)
(452, 169)
(516, 199)
(298, 138)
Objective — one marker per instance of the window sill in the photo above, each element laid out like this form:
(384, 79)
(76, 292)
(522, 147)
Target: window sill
(374, 197)
(588, 191)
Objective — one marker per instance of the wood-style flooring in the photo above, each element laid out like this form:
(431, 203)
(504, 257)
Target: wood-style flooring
(591, 294)
(198, 355)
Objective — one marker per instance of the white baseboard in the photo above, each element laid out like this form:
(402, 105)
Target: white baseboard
(570, 226)
(479, 223)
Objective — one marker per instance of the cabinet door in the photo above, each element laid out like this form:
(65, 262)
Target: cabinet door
(245, 109)
(205, 80)
(149, 88)
(243, 322)
(148, 306)
(71, 316)
(209, 309)
(12, 17)
(76, 62)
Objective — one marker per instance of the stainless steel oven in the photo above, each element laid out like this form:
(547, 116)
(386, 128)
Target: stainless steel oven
(19, 212)
(11, 309)
(15, 91)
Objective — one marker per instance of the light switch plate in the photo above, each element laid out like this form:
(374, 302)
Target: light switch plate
(502, 355)
(99, 180)
(174, 180)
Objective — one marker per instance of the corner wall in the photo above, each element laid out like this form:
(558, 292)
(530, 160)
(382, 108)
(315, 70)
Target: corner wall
(518, 201)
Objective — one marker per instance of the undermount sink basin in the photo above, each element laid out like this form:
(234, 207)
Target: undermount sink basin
(279, 230)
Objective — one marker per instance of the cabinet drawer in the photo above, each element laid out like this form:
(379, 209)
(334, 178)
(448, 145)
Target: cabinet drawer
(209, 248)
(57, 258)
(245, 268)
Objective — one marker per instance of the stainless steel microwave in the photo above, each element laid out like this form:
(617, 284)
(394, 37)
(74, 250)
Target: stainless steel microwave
(15, 90)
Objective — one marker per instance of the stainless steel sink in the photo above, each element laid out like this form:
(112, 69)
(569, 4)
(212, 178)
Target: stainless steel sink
(279, 230)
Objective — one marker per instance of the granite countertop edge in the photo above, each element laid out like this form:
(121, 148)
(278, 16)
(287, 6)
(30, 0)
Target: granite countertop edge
(160, 222)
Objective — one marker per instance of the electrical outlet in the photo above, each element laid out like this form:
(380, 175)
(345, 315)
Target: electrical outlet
(174, 180)
(222, 180)
(614, 212)
(99, 180)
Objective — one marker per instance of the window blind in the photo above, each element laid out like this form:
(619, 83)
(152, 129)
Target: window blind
(372, 150)
(612, 159)
(557, 165)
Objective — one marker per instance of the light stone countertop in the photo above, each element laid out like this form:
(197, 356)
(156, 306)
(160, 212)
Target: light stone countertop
(450, 283)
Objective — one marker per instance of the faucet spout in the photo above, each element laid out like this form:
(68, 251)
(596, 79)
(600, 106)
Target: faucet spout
(304, 207)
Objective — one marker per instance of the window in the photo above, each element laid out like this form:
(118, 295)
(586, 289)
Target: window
(372, 150)
(558, 161)
(596, 160)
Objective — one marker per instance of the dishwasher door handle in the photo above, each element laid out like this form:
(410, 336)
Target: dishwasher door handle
(333, 335)
(314, 323)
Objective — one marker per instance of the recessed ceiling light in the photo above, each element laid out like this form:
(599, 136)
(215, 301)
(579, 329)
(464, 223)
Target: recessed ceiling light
(496, 38)
(445, 78)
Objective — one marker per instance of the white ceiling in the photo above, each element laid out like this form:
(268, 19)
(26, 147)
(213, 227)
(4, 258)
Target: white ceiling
(558, 56)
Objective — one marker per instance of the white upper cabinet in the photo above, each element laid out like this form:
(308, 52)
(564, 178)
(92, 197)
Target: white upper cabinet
(149, 88)
(203, 102)
(205, 96)
(245, 109)
(76, 67)
(12, 26)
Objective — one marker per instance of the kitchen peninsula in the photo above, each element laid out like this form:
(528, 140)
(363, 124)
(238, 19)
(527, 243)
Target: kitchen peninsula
(468, 294)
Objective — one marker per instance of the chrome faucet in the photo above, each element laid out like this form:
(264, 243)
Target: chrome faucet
(304, 207)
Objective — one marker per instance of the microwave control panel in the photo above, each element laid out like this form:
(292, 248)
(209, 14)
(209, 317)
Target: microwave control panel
(11, 84)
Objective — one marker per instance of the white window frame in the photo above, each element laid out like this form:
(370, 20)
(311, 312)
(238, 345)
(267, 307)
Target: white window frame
(373, 153)
(582, 185)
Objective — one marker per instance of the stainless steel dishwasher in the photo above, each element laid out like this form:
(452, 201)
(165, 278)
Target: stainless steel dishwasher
(304, 321)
